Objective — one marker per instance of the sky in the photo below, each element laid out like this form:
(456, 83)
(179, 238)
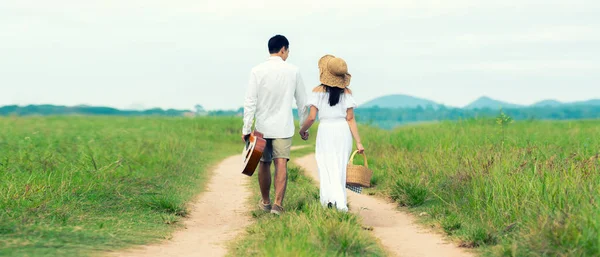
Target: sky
(138, 54)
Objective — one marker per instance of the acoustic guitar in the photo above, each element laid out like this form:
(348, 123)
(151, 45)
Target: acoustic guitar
(255, 145)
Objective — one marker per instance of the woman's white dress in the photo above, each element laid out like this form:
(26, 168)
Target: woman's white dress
(334, 146)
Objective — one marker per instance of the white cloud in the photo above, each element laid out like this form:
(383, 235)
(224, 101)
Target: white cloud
(74, 51)
(536, 67)
(539, 35)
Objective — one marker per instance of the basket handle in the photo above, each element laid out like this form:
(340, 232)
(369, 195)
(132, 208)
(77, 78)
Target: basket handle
(364, 156)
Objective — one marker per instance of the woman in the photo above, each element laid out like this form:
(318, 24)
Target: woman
(335, 105)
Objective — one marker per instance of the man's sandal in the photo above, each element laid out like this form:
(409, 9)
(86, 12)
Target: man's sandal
(264, 206)
(278, 210)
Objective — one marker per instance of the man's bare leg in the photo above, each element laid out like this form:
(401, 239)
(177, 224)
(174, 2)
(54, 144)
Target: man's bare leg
(264, 180)
(280, 180)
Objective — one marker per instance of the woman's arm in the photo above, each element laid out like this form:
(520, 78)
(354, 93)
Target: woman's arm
(354, 129)
(312, 116)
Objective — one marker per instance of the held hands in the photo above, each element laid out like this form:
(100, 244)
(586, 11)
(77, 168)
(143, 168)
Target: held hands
(360, 148)
(304, 135)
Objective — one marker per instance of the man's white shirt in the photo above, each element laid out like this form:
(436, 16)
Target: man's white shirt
(272, 88)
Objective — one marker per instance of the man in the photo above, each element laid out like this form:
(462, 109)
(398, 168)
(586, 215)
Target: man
(273, 86)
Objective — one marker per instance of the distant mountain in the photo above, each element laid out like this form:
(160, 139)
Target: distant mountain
(486, 102)
(399, 101)
(554, 103)
(593, 102)
(547, 103)
(406, 101)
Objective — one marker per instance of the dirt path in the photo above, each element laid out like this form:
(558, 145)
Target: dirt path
(397, 231)
(219, 214)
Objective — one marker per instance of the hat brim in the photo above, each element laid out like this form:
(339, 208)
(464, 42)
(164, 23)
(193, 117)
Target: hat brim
(331, 80)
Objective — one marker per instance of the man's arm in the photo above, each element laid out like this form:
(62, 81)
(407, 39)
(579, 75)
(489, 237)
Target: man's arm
(250, 104)
(301, 99)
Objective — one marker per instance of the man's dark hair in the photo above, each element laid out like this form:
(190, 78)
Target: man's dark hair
(277, 42)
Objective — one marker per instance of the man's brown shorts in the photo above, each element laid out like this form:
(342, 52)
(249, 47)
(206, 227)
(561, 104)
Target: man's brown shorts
(276, 148)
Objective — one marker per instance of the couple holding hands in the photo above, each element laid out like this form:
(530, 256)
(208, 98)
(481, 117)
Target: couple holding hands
(273, 86)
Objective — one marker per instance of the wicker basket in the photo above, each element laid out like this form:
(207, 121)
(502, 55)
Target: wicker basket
(357, 174)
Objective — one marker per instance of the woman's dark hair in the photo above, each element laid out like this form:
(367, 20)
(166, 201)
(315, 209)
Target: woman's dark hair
(335, 93)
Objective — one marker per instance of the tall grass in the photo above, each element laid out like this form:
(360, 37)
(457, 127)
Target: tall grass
(73, 185)
(512, 189)
(306, 228)
(70, 186)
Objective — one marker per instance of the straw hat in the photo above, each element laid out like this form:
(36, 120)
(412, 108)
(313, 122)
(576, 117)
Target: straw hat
(334, 71)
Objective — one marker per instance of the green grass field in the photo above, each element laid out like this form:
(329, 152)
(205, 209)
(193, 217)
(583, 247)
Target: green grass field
(306, 229)
(511, 189)
(74, 185)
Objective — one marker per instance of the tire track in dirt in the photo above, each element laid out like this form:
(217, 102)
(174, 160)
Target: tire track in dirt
(218, 215)
(397, 231)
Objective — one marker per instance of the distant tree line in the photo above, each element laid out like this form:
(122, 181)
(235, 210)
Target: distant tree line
(389, 118)
(382, 117)
(45, 110)
(82, 110)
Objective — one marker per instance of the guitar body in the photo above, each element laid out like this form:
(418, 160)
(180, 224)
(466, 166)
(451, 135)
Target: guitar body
(255, 146)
